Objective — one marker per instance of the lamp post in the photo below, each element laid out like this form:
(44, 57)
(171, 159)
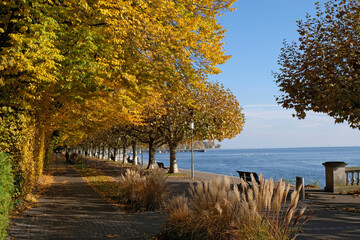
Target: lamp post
(192, 153)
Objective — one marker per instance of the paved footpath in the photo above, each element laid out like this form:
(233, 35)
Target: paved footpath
(333, 218)
(71, 209)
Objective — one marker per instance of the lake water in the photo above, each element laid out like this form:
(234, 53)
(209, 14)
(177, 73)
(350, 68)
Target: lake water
(286, 163)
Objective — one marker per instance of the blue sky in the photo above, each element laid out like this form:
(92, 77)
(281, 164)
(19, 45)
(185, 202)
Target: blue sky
(256, 31)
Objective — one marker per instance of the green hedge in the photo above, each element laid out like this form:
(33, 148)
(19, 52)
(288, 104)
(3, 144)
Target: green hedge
(6, 191)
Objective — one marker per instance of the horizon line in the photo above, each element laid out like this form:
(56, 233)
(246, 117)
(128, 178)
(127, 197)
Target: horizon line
(347, 146)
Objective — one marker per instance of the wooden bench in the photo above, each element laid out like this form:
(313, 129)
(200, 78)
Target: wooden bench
(161, 165)
(247, 176)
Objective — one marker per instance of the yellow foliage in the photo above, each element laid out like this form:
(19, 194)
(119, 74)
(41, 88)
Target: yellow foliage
(82, 67)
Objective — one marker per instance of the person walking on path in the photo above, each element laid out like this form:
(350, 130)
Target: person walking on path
(67, 156)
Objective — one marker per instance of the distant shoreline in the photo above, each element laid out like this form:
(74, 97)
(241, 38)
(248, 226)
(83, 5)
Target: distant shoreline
(275, 148)
(269, 148)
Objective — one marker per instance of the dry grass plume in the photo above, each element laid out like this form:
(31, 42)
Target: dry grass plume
(216, 211)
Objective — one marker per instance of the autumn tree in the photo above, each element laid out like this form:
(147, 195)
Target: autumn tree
(148, 131)
(174, 124)
(214, 110)
(218, 114)
(150, 135)
(164, 40)
(321, 71)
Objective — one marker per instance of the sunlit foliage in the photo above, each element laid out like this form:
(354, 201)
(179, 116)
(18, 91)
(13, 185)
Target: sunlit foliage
(75, 70)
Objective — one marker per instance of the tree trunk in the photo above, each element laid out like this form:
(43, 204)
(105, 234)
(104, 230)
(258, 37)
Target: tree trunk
(173, 160)
(152, 161)
(115, 153)
(109, 153)
(134, 153)
(124, 153)
(103, 152)
(142, 156)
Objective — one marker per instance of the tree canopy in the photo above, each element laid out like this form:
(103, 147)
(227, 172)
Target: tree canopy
(76, 70)
(321, 71)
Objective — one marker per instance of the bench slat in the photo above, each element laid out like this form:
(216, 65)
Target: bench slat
(161, 165)
(247, 176)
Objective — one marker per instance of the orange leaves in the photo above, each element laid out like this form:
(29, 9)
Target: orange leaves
(98, 64)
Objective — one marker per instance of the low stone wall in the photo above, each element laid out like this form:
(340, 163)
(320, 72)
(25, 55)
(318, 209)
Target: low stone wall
(341, 178)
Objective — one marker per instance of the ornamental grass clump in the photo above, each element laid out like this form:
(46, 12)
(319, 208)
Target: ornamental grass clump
(154, 191)
(216, 211)
(142, 192)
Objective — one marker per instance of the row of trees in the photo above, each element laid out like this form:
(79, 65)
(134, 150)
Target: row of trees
(73, 72)
(214, 110)
(207, 144)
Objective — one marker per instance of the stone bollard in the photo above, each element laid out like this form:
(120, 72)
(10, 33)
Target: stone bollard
(335, 176)
(300, 183)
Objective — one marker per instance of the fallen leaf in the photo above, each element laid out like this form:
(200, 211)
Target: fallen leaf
(111, 235)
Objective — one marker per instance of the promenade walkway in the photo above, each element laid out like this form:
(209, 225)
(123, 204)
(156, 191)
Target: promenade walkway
(335, 216)
(70, 209)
